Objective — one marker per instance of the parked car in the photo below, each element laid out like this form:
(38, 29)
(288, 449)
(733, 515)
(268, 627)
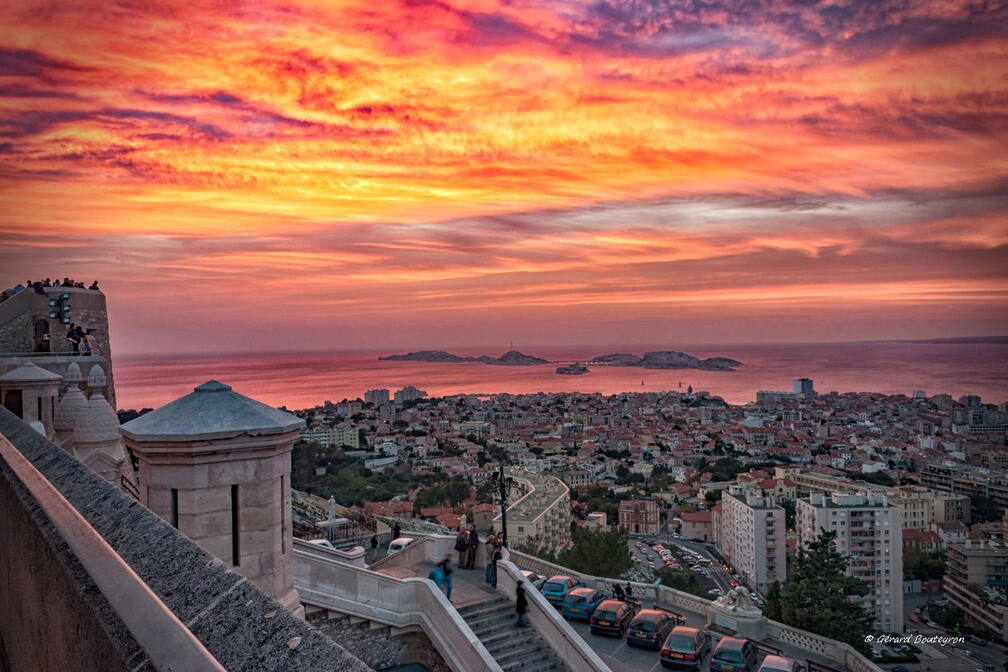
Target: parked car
(650, 627)
(685, 648)
(533, 578)
(556, 588)
(399, 544)
(715, 591)
(782, 664)
(612, 617)
(581, 603)
(324, 543)
(733, 654)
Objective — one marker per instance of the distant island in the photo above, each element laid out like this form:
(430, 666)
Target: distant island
(668, 359)
(509, 358)
(662, 359)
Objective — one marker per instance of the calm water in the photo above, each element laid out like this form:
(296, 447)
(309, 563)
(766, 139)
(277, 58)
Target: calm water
(307, 379)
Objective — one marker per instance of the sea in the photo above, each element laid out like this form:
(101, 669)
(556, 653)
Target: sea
(306, 379)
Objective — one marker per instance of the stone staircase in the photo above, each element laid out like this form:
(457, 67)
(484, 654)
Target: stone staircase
(515, 649)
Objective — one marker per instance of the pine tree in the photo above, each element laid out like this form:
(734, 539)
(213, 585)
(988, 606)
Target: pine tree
(817, 595)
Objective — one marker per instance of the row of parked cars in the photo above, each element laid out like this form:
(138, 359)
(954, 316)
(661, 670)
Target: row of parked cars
(678, 646)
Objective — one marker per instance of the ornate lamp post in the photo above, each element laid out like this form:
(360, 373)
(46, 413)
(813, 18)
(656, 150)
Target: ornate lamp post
(505, 485)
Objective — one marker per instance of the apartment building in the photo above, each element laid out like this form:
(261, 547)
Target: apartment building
(975, 580)
(870, 535)
(751, 536)
(963, 479)
(539, 509)
(346, 437)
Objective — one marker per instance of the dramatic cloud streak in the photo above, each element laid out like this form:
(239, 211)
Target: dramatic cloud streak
(726, 169)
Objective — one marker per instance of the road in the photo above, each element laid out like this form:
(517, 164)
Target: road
(718, 577)
(969, 656)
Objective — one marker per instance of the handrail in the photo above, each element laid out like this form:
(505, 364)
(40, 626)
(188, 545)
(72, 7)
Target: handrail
(323, 580)
(168, 643)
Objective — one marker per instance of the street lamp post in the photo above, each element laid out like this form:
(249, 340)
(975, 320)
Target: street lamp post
(505, 483)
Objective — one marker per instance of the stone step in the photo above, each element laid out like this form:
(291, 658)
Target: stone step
(510, 641)
(533, 660)
(494, 603)
(491, 619)
(521, 650)
(507, 634)
(491, 628)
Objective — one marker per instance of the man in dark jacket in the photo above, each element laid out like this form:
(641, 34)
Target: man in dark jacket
(461, 544)
(374, 547)
(521, 604)
(472, 543)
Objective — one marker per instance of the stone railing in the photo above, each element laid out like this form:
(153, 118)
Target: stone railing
(678, 600)
(62, 594)
(576, 654)
(323, 581)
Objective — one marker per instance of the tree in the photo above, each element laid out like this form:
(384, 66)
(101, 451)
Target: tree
(923, 566)
(817, 595)
(983, 509)
(789, 513)
(683, 580)
(597, 552)
(712, 497)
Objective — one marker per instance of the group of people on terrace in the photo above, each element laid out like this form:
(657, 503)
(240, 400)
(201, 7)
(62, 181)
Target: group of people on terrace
(40, 286)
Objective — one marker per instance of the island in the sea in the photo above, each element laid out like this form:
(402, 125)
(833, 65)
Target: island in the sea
(668, 359)
(509, 358)
(661, 359)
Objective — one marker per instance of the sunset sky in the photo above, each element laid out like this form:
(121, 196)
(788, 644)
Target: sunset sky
(351, 174)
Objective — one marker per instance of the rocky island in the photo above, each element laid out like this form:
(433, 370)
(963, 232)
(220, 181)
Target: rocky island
(509, 358)
(660, 359)
(668, 359)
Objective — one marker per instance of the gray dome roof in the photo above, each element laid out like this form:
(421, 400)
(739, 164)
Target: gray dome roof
(30, 372)
(212, 410)
(70, 410)
(73, 373)
(99, 422)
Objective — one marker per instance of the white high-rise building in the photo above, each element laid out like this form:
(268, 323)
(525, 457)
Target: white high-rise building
(870, 535)
(751, 529)
(409, 393)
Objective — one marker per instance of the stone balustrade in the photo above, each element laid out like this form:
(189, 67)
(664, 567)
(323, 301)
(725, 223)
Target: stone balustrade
(324, 581)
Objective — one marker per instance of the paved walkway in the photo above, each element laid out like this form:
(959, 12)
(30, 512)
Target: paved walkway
(468, 586)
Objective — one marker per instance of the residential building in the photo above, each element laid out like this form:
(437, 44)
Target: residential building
(869, 533)
(377, 397)
(947, 508)
(696, 525)
(347, 437)
(975, 580)
(539, 510)
(963, 479)
(409, 393)
(751, 536)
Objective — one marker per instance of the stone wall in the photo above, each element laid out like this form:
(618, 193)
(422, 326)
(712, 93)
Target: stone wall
(16, 334)
(238, 623)
(377, 646)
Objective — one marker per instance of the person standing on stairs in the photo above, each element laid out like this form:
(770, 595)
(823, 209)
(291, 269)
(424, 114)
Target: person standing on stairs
(471, 545)
(446, 572)
(461, 543)
(521, 604)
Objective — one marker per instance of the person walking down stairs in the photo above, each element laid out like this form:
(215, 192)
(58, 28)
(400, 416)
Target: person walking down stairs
(521, 604)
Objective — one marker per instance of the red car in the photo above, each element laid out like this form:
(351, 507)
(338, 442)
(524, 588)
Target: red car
(612, 617)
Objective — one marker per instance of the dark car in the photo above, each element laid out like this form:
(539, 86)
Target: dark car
(733, 654)
(612, 617)
(685, 648)
(650, 627)
(556, 588)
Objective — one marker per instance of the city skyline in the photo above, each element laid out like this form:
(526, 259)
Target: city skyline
(434, 174)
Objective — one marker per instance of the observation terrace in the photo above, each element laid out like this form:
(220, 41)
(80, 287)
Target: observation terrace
(92, 580)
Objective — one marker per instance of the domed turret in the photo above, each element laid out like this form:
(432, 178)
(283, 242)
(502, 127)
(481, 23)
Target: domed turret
(96, 378)
(96, 439)
(73, 374)
(69, 413)
(30, 392)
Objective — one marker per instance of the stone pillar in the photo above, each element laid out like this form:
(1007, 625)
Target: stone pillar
(216, 465)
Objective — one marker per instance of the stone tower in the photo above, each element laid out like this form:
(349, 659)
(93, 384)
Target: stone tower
(216, 465)
(30, 392)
